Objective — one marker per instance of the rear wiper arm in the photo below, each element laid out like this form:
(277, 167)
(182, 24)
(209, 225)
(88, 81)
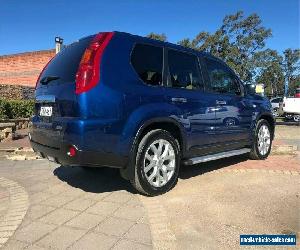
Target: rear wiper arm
(47, 79)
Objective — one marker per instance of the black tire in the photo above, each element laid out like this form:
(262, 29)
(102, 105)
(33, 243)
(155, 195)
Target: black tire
(140, 181)
(296, 118)
(255, 154)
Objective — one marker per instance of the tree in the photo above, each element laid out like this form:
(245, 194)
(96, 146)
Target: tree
(293, 85)
(270, 72)
(291, 65)
(160, 37)
(236, 42)
(240, 42)
(185, 42)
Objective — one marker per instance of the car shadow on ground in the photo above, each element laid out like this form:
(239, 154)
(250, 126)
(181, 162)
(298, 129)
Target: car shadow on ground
(93, 180)
(187, 172)
(100, 180)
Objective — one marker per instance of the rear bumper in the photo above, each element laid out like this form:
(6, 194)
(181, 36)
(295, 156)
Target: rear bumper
(82, 158)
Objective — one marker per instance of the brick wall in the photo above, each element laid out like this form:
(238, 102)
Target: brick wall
(23, 69)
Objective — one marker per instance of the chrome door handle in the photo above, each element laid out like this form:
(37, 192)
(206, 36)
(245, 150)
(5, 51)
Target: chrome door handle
(179, 99)
(220, 102)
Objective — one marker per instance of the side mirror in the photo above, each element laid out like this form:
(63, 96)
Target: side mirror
(250, 89)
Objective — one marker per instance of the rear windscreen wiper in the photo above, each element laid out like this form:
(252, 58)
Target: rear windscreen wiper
(47, 79)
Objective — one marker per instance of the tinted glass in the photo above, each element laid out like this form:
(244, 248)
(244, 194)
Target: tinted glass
(221, 78)
(277, 100)
(65, 63)
(147, 61)
(184, 70)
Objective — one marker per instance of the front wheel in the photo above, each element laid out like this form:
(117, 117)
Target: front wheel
(296, 118)
(261, 147)
(157, 163)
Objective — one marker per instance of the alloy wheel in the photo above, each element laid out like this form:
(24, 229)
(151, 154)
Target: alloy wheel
(159, 163)
(263, 140)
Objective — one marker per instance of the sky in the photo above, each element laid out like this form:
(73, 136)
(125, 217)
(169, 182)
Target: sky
(32, 24)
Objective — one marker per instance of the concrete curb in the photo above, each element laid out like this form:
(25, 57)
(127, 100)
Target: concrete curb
(16, 210)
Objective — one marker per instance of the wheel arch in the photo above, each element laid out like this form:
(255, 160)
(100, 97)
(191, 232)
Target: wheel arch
(270, 119)
(166, 123)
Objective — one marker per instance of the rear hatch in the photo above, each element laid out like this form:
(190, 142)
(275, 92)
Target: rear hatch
(56, 99)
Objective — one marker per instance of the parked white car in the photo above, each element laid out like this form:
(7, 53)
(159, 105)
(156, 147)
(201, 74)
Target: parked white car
(275, 102)
(291, 108)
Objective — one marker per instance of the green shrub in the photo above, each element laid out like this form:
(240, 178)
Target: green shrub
(4, 107)
(12, 109)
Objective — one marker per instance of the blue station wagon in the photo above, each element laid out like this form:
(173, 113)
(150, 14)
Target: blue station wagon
(146, 107)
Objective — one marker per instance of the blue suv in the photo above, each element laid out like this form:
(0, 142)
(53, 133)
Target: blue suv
(146, 107)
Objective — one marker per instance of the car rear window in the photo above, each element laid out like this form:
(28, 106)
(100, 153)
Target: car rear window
(65, 64)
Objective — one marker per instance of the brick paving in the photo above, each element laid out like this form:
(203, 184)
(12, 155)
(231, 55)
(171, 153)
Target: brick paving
(15, 208)
(287, 135)
(76, 209)
(4, 201)
(72, 208)
(211, 210)
(22, 140)
(273, 162)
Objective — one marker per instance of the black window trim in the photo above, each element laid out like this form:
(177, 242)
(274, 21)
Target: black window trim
(167, 73)
(163, 63)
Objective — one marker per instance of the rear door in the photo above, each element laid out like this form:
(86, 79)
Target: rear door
(233, 111)
(186, 91)
(55, 94)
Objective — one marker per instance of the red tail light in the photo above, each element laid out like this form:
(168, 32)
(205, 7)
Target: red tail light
(88, 74)
(72, 151)
(297, 95)
(38, 80)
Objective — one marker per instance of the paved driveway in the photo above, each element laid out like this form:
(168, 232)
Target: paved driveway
(212, 204)
(76, 209)
(4, 201)
(288, 134)
(210, 211)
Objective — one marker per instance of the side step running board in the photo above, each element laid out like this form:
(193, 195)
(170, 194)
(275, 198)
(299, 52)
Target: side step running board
(213, 157)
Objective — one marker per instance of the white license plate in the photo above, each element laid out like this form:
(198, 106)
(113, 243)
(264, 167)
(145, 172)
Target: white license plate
(46, 111)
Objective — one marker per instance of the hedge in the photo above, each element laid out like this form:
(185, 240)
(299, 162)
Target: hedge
(12, 109)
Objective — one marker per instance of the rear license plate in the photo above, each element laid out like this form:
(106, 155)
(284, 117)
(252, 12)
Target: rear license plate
(46, 111)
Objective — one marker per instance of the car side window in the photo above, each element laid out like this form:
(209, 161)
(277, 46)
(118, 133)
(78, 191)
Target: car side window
(147, 61)
(184, 71)
(222, 80)
(277, 100)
